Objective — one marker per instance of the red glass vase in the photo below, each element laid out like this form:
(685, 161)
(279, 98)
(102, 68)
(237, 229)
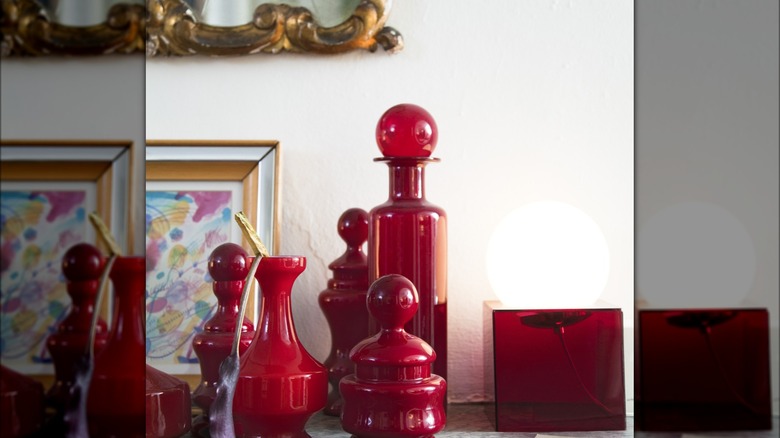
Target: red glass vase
(21, 404)
(407, 235)
(279, 385)
(168, 407)
(393, 393)
(115, 404)
(228, 266)
(344, 302)
(82, 266)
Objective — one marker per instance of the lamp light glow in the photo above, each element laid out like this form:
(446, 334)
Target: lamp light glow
(547, 255)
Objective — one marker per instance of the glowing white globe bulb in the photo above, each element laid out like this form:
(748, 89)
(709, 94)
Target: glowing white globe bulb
(548, 255)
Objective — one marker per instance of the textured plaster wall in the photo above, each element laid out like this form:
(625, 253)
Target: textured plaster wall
(533, 99)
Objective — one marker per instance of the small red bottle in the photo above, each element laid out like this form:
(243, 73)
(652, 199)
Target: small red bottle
(82, 266)
(407, 235)
(228, 266)
(168, 407)
(344, 302)
(279, 384)
(21, 404)
(393, 393)
(116, 403)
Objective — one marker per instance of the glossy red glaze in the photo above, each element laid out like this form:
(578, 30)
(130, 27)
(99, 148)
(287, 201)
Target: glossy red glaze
(406, 130)
(703, 369)
(407, 235)
(228, 266)
(279, 385)
(344, 302)
(82, 266)
(168, 408)
(393, 393)
(558, 370)
(115, 406)
(21, 404)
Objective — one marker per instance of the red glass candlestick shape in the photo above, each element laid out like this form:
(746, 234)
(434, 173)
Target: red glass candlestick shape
(21, 404)
(344, 302)
(393, 393)
(82, 265)
(168, 408)
(279, 384)
(228, 266)
(115, 404)
(407, 235)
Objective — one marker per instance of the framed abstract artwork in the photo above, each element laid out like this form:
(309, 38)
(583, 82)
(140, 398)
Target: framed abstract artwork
(48, 189)
(193, 191)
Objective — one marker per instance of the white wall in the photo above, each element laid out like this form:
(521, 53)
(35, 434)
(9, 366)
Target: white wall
(707, 157)
(92, 98)
(534, 101)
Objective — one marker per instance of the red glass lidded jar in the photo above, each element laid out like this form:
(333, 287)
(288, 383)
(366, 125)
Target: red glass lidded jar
(228, 266)
(82, 266)
(407, 234)
(280, 385)
(393, 392)
(116, 402)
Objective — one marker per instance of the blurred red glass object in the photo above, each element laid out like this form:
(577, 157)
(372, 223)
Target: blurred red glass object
(116, 403)
(703, 369)
(557, 370)
(21, 404)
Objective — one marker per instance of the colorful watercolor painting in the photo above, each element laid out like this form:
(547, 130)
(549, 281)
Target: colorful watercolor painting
(38, 227)
(182, 229)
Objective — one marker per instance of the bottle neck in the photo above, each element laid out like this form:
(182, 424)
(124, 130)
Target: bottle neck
(407, 179)
(276, 320)
(128, 279)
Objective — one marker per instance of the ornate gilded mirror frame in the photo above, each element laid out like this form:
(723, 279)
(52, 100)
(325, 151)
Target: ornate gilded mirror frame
(28, 30)
(175, 29)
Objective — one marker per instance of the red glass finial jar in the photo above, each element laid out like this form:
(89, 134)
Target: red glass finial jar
(407, 235)
(279, 384)
(82, 266)
(115, 407)
(393, 393)
(344, 302)
(228, 266)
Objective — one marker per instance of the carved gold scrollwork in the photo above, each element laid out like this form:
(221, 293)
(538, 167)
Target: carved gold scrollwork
(175, 29)
(27, 30)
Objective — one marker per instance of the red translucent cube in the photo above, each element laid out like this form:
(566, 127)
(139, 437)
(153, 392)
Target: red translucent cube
(703, 369)
(557, 370)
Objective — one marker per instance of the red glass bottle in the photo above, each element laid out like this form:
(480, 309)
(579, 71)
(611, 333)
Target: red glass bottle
(82, 266)
(21, 404)
(393, 393)
(407, 235)
(168, 407)
(279, 385)
(344, 302)
(115, 405)
(228, 266)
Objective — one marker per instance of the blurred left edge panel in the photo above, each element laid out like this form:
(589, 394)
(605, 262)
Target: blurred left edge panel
(71, 146)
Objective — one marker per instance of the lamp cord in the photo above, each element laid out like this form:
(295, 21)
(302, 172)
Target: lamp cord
(559, 331)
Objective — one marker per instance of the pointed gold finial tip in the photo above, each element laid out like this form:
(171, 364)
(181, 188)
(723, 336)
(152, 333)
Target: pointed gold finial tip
(249, 232)
(105, 233)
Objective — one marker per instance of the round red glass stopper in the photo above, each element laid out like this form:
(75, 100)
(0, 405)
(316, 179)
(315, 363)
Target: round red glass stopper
(82, 262)
(353, 226)
(392, 300)
(228, 262)
(406, 130)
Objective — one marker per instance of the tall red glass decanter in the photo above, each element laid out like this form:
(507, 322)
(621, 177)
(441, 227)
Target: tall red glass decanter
(344, 302)
(279, 384)
(115, 405)
(82, 266)
(407, 235)
(228, 266)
